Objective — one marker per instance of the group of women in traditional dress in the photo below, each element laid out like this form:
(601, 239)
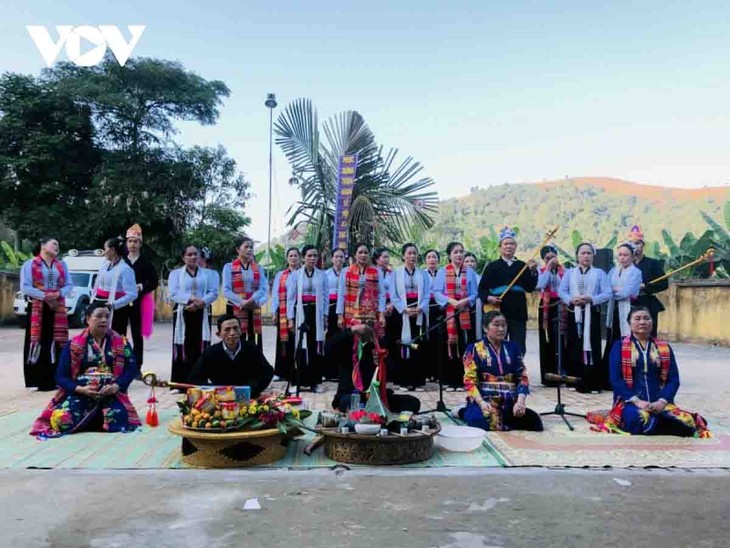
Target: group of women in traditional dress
(433, 322)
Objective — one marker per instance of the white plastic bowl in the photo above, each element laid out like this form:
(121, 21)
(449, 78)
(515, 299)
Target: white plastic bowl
(460, 438)
(367, 428)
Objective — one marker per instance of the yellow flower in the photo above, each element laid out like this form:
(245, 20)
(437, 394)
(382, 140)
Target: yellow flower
(295, 413)
(252, 409)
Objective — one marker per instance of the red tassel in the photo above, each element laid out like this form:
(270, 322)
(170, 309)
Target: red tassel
(712, 265)
(152, 418)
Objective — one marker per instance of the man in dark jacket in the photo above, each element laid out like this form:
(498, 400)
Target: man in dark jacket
(651, 269)
(497, 277)
(232, 362)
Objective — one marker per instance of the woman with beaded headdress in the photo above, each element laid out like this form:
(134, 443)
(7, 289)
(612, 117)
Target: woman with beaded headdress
(142, 311)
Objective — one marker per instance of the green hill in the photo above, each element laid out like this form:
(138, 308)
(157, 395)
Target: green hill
(597, 207)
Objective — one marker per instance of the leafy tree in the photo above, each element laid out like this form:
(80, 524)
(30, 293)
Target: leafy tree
(387, 197)
(217, 232)
(137, 105)
(47, 160)
(85, 152)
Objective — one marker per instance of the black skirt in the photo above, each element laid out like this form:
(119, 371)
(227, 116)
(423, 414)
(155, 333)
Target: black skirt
(310, 359)
(331, 363)
(410, 370)
(549, 340)
(433, 348)
(120, 319)
(185, 356)
(250, 334)
(42, 374)
(589, 368)
(284, 364)
(453, 362)
(391, 342)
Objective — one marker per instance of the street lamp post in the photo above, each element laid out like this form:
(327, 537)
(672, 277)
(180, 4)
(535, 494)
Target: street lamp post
(271, 105)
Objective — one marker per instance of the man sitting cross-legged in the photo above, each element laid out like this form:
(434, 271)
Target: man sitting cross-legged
(232, 362)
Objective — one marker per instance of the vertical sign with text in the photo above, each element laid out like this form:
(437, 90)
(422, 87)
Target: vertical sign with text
(345, 185)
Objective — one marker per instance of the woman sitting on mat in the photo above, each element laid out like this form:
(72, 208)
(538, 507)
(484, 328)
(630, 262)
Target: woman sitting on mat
(496, 382)
(645, 381)
(94, 372)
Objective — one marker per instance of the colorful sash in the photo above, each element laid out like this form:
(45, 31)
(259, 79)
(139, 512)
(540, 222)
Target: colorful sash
(78, 347)
(239, 288)
(283, 324)
(361, 306)
(60, 319)
(464, 315)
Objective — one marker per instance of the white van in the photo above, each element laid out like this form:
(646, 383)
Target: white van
(82, 267)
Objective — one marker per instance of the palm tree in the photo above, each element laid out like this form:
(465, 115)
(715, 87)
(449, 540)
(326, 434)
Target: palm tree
(388, 197)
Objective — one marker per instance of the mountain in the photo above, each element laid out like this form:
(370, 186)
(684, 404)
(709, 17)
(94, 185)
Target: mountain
(597, 207)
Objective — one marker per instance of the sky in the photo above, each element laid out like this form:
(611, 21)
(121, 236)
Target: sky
(479, 92)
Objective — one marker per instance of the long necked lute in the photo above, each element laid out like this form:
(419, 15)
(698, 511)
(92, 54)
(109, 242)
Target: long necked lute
(707, 256)
(486, 307)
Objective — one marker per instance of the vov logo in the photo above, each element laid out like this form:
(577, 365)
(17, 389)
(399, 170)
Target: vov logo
(70, 36)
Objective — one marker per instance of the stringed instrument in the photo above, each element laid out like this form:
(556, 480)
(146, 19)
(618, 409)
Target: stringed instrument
(486, 307)
(707, 256)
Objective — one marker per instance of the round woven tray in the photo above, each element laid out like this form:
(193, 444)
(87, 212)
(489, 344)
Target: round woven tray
(238, 448)
(376, 450)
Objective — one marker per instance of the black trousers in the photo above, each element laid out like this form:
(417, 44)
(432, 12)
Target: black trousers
(517, 333)
(131, 316)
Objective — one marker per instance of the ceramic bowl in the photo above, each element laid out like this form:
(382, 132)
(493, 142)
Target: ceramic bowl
(460, 438)
(367, 428)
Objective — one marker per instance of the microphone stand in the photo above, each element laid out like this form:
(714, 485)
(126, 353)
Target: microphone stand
(303, 329)
(561, 378)
(440, 404)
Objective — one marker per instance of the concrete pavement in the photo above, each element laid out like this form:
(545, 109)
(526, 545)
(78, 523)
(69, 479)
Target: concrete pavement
(442, 508)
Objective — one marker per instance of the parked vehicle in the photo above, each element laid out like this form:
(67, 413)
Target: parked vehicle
(82, 267)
